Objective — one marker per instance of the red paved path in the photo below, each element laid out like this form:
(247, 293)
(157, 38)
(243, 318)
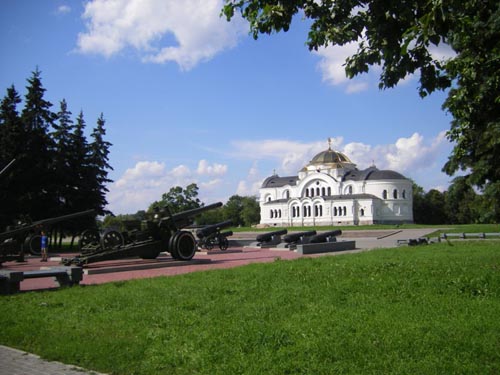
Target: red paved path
(232, 258)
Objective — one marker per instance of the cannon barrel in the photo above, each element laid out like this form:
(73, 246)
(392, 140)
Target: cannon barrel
(7, 167)
(185, 218)
(195, 211)
(294, 237)
(264, 237)
(210, 229)
(227, 233)
(41, 223)
(322, 237)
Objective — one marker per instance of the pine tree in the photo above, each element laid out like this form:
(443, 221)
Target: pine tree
(82, 171)
(64, 161)
(35, 161)
(99, 151)
(11, 136)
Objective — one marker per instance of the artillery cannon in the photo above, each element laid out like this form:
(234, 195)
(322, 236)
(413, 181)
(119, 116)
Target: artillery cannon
(270, 238)
(326, 236)
(299, 238)
(15, 242)
(210, 235)
(162, 233)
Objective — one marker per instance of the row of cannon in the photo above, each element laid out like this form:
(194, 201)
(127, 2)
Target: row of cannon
(296, 238)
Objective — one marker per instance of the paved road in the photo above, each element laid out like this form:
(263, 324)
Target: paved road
(16, 362)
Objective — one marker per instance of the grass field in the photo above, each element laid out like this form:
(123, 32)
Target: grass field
(412, 310)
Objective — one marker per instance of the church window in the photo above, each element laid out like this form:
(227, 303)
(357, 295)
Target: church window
(279, 213)
(395, 194)
(317, 191)
(312, 192)
(329, 191)
(345, 211)
(404, 194)
(334, 211)
(384, 194)
(304, 213)
(320, 210)
(272, 214)
(323, 191)
(349, 190)
(287, 194)
(309, 211)
(362, 212)
(307, 192)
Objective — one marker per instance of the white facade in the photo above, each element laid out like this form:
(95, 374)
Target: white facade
(331, 191)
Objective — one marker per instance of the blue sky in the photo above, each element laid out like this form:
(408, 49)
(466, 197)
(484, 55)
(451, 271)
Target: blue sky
(189, 97)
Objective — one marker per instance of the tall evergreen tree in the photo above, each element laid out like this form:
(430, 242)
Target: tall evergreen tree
(35, 161)
(11, 136)
(99, 165)
(82, 171)
(64, 161)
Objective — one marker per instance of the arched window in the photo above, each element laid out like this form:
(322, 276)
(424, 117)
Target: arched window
(329, 191)
(349, 190)
(287, 194)
(272, 214)
(307, 192)
(395, 194)
(362, 212)
(403, 194)
(345, 211)
(316, 212)
(269, 199)
(312, 192)
(317, 192)
(279, 213)
(323, 191)
(304, 211)
(384, 194)
(334, 211)
(320, 210)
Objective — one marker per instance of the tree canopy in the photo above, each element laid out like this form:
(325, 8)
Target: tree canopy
(399, 36)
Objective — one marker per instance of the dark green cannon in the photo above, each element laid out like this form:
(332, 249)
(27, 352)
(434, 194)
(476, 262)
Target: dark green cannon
(330, 236)
(299, 238)
(163, 233)
(25, 238)
(211, 236)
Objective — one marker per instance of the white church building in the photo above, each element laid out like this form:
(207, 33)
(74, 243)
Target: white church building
(330, 190)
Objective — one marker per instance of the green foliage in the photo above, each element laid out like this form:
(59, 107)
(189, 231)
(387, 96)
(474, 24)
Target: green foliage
(178, 199)
(242, 211)
(421, 310)
(398, 37)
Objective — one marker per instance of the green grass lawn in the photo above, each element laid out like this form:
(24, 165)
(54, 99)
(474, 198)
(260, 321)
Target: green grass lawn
(412, 310)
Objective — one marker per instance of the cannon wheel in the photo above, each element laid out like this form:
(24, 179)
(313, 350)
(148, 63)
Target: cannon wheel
(88, 237)
(182, 245)
(33, 245)
(112, 239)
(223, 243)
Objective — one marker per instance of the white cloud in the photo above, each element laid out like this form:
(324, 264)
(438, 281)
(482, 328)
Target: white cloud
(332, 68)
(146, 181)
(146, 25)
(63, 9)
(407, 155)
(204, 168)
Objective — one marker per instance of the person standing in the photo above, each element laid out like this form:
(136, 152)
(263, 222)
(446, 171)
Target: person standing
(44, 245)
